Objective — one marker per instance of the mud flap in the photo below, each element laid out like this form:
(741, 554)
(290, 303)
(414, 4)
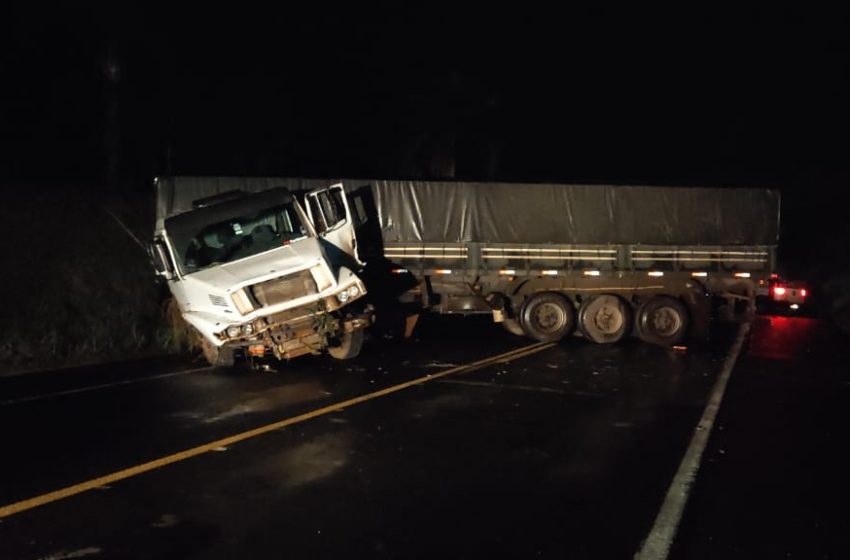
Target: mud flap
(410, 324)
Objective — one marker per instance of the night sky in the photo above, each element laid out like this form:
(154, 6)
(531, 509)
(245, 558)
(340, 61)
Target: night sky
(115, 95)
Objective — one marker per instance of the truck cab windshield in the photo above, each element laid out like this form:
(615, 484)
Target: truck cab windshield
(200, 245)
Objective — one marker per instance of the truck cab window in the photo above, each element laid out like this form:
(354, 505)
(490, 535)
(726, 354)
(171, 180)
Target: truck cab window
(319, 220)
(238, 237)
(334, 206)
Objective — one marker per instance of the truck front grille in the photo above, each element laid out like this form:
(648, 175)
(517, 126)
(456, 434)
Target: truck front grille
(287, 288)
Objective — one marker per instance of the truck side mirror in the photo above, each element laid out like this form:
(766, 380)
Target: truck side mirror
(158, 254)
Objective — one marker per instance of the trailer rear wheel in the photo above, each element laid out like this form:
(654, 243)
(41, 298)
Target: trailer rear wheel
(548, 317)
(349, 345)
(663, 320)
(605, 319)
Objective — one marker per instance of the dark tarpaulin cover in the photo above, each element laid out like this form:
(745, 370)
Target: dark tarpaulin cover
(454, 212)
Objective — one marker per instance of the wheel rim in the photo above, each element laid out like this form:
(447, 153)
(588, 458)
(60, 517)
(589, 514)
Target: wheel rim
(550, 317)
(666, 321)
(608, 319)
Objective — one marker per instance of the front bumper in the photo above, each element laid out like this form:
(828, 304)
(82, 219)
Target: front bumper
(302, 330)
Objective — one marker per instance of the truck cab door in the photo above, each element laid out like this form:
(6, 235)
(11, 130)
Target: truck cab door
(328, 209)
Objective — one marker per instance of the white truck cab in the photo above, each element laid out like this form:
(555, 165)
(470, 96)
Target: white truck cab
(260, 275)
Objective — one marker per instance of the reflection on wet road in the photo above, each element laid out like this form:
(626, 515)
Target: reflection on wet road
(567, 451)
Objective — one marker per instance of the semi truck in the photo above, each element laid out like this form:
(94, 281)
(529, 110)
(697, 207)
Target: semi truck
(546, 261)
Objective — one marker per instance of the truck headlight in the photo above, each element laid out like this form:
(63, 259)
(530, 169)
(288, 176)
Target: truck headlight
(233, 331)
(349, 293)
(248, 329)
(242, 302)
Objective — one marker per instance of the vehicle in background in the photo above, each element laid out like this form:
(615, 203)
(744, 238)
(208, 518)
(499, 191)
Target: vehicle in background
(779, 294)
(258, 274)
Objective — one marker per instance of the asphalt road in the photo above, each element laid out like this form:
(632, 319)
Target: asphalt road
(563, 450)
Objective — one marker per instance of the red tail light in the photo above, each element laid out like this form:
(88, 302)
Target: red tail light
(804, 292)
(778, 291)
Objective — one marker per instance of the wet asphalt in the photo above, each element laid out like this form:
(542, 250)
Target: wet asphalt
(567, 452)
(775, 478)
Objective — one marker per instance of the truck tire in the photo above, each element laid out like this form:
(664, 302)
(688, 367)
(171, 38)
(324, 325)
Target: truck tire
(548, 317)
(662, 320)
(217, 356)
(605, 319)
(349, 345)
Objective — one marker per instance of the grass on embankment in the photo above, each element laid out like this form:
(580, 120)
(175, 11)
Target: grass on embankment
(75, 287)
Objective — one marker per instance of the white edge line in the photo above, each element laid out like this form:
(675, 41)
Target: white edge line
(657, 544)
(101, 386)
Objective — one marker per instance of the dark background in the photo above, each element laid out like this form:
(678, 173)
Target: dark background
(104, 97)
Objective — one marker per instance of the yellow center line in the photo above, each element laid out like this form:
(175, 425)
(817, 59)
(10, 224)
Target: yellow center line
(69, 491)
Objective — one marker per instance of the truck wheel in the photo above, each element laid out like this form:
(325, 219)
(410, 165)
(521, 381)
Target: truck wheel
(217, 356)
(513, 327)
(349, 345)
(548, 317)
(605, 319)
(663, 320)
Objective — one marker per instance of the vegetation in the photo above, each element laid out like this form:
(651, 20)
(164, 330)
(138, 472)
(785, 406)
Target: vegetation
(77, 288)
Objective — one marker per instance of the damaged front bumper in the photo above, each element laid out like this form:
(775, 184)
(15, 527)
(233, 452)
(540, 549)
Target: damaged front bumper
(301, 330)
